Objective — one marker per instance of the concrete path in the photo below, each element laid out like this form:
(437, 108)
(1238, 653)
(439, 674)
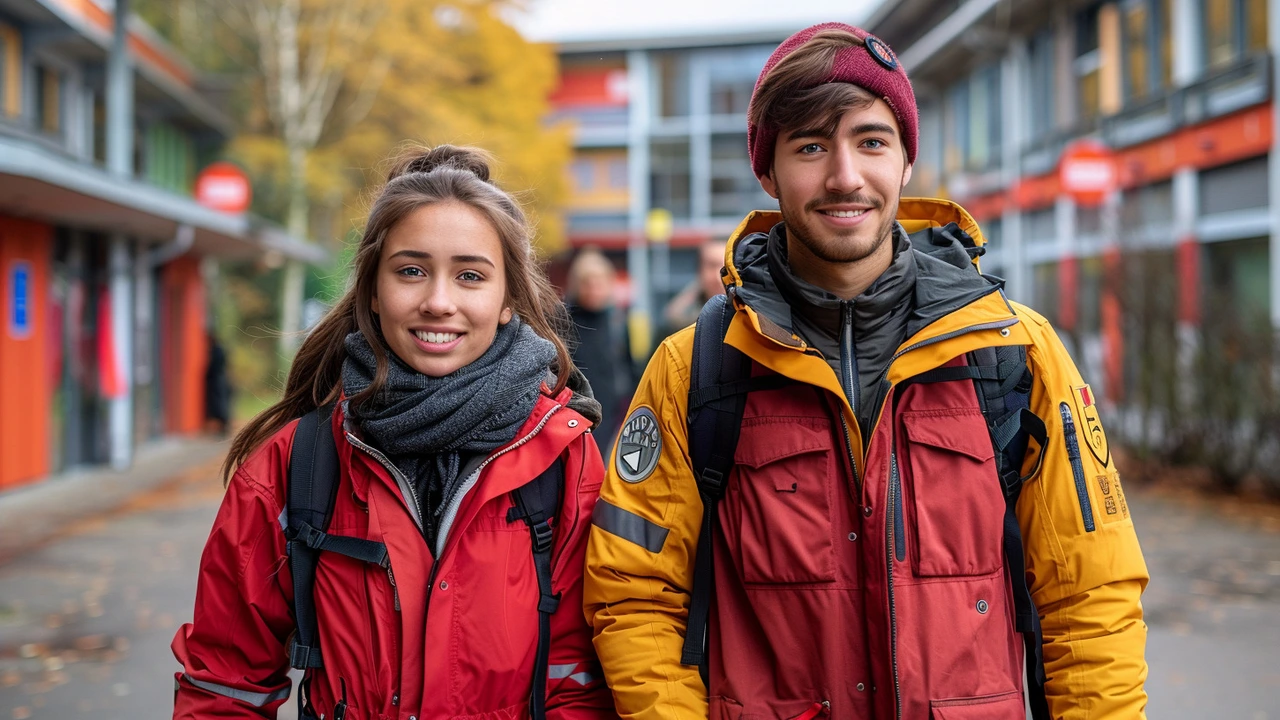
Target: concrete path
(87, 614)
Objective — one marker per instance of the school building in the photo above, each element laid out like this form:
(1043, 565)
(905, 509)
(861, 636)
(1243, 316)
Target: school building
(1177, 95)
(105, 255)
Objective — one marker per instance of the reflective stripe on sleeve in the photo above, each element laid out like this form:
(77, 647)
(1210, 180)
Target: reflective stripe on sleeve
(628, 526)
(562, 672)
(255, 699)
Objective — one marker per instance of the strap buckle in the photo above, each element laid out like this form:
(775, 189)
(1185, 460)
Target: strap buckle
(541, 532)
(302, 657)
(712, 482)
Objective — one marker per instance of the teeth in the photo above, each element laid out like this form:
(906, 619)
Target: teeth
(439, 338)
(844, 213)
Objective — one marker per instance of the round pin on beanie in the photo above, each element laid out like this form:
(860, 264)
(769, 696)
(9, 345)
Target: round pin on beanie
(872, 65)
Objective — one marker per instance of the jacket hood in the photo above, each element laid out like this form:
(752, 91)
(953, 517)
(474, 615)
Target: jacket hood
(946, 276)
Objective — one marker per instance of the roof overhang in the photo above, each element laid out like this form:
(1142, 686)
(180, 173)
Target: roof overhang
(46, 185)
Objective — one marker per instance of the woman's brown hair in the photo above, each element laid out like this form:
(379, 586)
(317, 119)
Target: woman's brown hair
(419, 177)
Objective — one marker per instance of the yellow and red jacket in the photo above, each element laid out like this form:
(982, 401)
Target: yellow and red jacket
(863, 577)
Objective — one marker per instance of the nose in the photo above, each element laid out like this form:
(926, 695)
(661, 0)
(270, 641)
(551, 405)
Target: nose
(844, 172)
(438, 300)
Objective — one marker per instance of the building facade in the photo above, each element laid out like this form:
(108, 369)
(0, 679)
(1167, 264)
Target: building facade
(1183, 251)
(105, 255)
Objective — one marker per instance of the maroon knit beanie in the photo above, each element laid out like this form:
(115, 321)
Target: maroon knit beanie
(874, 67)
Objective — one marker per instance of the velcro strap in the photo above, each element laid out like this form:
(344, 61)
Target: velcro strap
(356, 548)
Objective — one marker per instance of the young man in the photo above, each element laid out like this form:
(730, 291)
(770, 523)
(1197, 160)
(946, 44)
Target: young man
(862, 563)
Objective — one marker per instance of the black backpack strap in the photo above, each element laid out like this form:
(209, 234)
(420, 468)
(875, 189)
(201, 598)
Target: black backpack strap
(536, 503)
(718, 386)
(1006, 405)
(313, 488)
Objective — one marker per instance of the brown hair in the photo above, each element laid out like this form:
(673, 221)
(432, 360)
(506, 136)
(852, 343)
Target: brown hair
(419, 177)
(794, 95)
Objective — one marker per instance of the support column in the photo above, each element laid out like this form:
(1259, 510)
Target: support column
(641, 91)
(1273, 32)
(120, 397)
(1013, 120)
(120, 97)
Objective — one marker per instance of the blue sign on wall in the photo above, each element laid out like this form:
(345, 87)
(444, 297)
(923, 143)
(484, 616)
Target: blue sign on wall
(20, 300)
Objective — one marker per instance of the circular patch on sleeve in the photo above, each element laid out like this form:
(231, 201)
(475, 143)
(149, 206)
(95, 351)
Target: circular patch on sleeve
(881, 52)
(639, 445)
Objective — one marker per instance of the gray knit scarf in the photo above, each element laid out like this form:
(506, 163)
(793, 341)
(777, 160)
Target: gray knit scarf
(427, 424)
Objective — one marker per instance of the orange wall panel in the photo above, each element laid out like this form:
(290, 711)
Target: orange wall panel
(25, 391)
(185, 345)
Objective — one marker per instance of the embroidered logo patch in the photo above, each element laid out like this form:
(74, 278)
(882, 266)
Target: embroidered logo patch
(881, 52)
(1094, 437)
(639, 445)
(1113, 497)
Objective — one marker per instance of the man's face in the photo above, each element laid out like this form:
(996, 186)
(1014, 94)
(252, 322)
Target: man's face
(839, 192)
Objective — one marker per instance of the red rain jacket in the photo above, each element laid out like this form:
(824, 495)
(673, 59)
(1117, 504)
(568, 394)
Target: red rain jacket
(462, 648)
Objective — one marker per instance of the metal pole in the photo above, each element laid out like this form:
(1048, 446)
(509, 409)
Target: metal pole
(120, 97)
(639, 90)
(120, 407)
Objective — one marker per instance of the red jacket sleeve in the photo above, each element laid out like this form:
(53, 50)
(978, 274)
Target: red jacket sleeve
(233, 654)
(575, 683)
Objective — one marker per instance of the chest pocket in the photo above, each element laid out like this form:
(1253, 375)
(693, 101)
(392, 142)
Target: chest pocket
(778, 502)
(959, 511)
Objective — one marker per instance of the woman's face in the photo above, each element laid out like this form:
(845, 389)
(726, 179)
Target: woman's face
(441, 288)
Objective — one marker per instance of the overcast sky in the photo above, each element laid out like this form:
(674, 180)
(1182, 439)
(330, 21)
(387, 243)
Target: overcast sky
(566, 20)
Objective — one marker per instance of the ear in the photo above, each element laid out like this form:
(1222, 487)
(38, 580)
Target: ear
(770, 186)
(906, 176)
(505, 317)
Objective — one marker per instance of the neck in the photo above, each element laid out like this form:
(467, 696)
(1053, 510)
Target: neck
(845, 280)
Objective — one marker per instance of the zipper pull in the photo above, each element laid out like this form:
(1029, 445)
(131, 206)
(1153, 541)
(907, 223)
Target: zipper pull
(340, 710)
(395, 591)
(817, 709)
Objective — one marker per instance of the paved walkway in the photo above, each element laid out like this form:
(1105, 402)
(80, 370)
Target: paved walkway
(87, 613)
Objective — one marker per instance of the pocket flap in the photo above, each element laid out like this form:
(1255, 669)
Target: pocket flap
(759, 445)
(1008, 706)
(965, 433)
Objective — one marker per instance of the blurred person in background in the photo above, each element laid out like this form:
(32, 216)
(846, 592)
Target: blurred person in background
(217, 389)
(603, 349)
(682, 310)
(438, 419)
(901, 473)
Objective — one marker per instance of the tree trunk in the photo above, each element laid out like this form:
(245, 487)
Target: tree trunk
(293, 285)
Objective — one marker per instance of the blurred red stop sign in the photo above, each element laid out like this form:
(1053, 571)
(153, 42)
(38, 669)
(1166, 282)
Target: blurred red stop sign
(1087, 172)
(224, 186)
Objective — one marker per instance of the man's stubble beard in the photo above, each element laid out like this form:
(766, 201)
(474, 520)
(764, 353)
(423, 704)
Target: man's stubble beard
(840, 249)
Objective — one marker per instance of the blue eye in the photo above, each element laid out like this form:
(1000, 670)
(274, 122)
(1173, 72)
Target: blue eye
(411, 272)
(471, 276)
(875, 144)
(810, 149)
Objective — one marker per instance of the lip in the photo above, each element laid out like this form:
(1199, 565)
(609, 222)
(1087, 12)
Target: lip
(436, 348)
(842, 222)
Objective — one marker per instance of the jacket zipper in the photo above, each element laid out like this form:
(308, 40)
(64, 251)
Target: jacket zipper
(1077, 468)
(889, 546)
(848, 361)
(895, 492)
(395, 591)
(406, 487)
(853, 461)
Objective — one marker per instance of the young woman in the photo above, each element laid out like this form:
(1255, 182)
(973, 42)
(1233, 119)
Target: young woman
(450, 392)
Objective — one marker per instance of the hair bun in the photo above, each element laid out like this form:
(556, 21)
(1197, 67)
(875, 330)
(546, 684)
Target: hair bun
(424, 160)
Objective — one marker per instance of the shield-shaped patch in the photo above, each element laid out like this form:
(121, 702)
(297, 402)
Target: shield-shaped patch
(1087, 410)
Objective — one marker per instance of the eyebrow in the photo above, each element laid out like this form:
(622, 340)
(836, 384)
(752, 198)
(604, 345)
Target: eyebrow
(420, 255)
(827, 132)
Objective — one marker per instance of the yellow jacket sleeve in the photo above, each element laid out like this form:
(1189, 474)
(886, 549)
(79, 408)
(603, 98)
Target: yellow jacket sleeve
(643, 542)
(1084, 564)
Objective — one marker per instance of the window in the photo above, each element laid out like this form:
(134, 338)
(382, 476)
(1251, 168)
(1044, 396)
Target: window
(1088, 64)
(48, 100)
(584, 173)
(1041, 85)
(957, 127)
(10, 71)
(669, 176)
(734, 188)
(733, 76)
(672, 75)
(619, 179)
(983, 147)
(1233, 29)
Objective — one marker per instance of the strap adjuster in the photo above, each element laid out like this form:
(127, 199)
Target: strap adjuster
(541, 536)
(302, 657)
